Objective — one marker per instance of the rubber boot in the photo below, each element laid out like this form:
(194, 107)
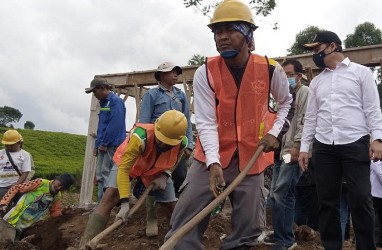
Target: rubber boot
(151, 217)
(96, 224)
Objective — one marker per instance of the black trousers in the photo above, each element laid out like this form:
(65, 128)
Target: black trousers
(351, 161)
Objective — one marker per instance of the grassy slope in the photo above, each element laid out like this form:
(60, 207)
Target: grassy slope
(53, 152)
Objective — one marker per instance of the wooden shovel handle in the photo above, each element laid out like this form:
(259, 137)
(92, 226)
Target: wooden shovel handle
(171, 242)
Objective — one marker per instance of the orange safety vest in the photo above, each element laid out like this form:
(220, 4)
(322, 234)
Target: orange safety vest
(242, 114)
(149, 165)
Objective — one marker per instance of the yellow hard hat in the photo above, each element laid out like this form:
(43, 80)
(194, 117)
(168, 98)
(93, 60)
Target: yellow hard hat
(170, 127)
(232, 11)
(11, 137)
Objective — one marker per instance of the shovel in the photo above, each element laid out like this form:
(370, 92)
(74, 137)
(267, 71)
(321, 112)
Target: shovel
(171, 242)
(94, 242)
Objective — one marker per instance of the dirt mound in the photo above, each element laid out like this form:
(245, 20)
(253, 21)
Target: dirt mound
(65, 233)
(57, 233)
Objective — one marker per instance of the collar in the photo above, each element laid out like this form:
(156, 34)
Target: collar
(161, 87)
(344, 63)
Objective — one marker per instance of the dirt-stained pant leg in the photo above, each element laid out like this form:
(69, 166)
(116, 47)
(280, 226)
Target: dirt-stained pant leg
(194, 198)
(248, 208)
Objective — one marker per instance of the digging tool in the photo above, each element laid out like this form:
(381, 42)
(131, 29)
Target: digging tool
(94, 242)
(171, 242)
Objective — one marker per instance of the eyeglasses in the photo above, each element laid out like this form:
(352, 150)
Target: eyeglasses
(292, 74)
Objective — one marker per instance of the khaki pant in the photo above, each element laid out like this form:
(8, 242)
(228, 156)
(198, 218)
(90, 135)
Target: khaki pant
(248, 207)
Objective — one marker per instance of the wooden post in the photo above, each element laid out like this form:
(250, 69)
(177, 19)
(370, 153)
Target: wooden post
(90, 161)
(188, 90)
(138, 91)
(309, 74)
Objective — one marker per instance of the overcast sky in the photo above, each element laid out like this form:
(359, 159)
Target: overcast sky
(50, 50)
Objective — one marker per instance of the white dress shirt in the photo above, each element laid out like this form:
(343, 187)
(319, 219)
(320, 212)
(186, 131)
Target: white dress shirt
(205, 109)
(343, 106)
(376, 179)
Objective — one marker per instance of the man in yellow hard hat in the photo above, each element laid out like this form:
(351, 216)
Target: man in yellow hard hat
(231, 93)
(15, 162)
(155, 102)
(149, 154)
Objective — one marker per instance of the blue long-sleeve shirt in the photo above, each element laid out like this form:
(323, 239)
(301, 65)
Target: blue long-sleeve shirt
(111, 130)
(159, 100)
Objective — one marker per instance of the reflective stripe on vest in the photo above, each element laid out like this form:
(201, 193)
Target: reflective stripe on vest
(243, 116)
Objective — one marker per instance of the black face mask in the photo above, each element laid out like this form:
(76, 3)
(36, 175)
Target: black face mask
(318, 58)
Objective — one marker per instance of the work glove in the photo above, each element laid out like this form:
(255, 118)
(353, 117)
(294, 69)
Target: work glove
(160, 182)
(3, 210)
(123, 212)
(269, 142)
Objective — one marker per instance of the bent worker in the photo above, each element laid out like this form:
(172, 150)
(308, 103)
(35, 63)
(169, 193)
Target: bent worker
(149, 154)
(154, 103)
(231, 93)
(39, 196)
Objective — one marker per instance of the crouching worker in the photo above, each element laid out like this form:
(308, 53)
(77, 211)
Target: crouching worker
(149, 155)
(38, 196)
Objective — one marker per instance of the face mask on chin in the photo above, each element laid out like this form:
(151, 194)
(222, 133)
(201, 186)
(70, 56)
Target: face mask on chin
(229, 54)
(232, 53)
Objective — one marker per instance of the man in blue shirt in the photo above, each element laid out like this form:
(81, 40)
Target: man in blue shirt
(154, 103)
(111, 130)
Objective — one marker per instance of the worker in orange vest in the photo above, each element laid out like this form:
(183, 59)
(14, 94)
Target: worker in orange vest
(149, 155)
(232, 95)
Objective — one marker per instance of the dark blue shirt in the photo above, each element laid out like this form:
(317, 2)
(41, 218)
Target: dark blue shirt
(111, 130)
(159, 100)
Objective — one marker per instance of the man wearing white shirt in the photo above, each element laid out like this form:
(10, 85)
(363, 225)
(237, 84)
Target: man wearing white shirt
(343, 109)
(13, 171)
(231, 93)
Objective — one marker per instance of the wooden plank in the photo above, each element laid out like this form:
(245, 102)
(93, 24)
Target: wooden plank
(89, 168)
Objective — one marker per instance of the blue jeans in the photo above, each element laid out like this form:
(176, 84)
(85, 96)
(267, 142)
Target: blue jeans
(285, 178)
(179, 174)
(104, 165)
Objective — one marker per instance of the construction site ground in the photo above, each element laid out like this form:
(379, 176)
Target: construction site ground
(65, 233)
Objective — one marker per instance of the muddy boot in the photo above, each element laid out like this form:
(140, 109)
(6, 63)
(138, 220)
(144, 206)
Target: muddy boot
(96, 224)
(151, 217)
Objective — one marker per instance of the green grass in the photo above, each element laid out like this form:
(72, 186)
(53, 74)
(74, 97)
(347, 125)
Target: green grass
(54, 153)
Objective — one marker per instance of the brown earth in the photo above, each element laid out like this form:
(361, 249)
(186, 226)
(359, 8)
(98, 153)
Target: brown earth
(65, 233)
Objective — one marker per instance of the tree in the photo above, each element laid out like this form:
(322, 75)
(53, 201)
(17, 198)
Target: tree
(305, 36)
(364, 34)
(196, 59)
(9, 115)
(263, 7)
(29, 125)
